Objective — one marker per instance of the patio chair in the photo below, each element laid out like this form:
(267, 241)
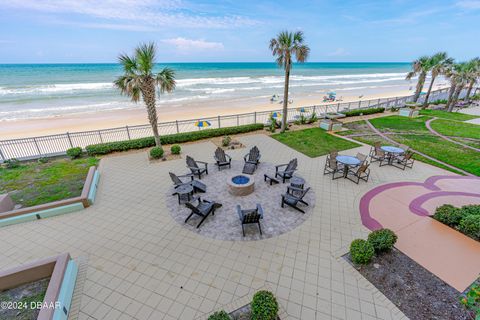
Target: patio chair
(250, 216)
(378, 155)
(253, 156)
(202, 209)
(360, 173)
(197, 185)
(333, 153)
(404, 161)
(195, 168)
(294, 196)
(376, 145)
(222, 159)
(361, 157)
(285, 171)
(333, 167)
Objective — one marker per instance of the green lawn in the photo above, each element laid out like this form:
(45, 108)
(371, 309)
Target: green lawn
(456, 129)
(36, 183)
(447, 115)
(400, 124)
(313, 142)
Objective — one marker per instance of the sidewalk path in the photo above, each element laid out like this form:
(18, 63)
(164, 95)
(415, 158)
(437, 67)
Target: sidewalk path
(429, 127)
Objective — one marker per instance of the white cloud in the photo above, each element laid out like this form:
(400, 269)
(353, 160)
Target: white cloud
(339, 52)
(469, 4)
(189, 45)
(142, 13)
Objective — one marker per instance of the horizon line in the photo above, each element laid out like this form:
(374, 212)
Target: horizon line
(192, 62)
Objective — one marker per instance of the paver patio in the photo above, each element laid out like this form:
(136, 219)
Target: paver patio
(141, 264)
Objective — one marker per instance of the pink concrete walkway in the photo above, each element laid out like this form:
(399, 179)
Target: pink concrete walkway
(405, 207)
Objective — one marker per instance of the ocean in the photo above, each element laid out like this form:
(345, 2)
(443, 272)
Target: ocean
(47, 90)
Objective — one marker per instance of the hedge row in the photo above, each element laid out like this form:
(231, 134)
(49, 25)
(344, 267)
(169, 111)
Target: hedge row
(358, 112)
(109, 147)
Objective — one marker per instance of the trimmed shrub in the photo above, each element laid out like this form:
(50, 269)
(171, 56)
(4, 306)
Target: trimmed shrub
(470, 226)
(264, 306)
(471, 210)
(361, 251)
(382, 240)
(104, 148)
(449, 215)
(357, 112)
(175, 149)
(439, 101)
(156, 152)
(12, 163)
(226, 141)
(219, 315)
(75, 152)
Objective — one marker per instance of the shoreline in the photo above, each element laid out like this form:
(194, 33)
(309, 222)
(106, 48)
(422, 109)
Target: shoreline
(201, 109)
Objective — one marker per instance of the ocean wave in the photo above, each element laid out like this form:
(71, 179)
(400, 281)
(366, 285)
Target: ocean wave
(56, 88)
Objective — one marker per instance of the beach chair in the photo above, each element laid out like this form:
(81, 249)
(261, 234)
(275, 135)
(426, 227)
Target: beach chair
(250, 216)
(294, 196)
(195, 168)
(197, 185)
(222, 159)
(286, 173)
(253, 156)
(203, 209)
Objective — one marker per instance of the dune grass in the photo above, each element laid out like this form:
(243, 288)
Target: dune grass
(36, 183)
(313, 142)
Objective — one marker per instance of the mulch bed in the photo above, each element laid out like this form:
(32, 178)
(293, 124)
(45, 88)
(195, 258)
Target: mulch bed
(243, 313)
(415, 291)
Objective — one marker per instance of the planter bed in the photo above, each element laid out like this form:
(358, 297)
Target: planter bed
(42, 288)
(55, 208)
(414, 290)
(243, 313)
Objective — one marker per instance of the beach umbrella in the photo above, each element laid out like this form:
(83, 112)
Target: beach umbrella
(203, 124)
(332, 93)
(276, 115)
(302, 109)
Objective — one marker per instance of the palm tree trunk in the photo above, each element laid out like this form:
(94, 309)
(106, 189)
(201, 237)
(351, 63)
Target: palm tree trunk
(420, 83)
(425, 103)
(458, 89)
(148, 93)
(450, 96)
(470, 87)
(285, 97)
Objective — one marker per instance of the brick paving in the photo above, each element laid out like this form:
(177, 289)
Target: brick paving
(141, 264)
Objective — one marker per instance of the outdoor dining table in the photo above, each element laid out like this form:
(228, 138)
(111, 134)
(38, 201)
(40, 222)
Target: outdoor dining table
(391, 152)
(348, 161)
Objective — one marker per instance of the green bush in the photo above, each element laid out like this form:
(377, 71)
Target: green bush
(12, 163)
(357, 112)
(219, 315)
(104, 148)
(475, 97)
(471, 210)
(175, 149)
(42, 160)
(382, 240)
(264, 306)
(361, 251)
(449, 215)
(156, 152)
(75, 152)
(471, 300)
(226, 141)
(470, 226)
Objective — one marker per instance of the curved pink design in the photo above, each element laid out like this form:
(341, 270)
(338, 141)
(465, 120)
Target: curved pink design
(405, 208)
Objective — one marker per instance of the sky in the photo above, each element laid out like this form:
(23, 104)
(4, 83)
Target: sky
(87, 31)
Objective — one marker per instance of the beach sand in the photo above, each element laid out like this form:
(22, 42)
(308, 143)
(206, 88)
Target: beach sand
(138, 115)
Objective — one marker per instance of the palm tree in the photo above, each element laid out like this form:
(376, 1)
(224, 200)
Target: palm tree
(139, 81)
(460, 75)
(420, 67)
(284, 46)
(475, 75)
(439, 64)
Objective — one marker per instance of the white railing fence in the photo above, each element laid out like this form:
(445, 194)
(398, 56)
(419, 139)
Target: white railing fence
(57, 144)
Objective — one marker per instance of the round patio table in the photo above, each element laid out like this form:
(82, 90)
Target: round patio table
(348, 161)
(392, 149)
(297, 182)
(184, 191)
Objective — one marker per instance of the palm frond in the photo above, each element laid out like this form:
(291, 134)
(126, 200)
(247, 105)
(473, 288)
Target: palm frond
(145, 56)
(128, 63)
(129, 85)
(165, 80)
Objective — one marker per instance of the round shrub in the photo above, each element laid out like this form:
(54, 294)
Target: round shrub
(219, 315)
(175, 149)
(156, 152)
(448, 215)
(470, 226)
(382, 240)
(264, 306)
(361, 251)
(74, 152)
(226, 141)
(12, 163)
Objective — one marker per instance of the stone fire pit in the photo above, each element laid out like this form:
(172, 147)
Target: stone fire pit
(241, 185)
